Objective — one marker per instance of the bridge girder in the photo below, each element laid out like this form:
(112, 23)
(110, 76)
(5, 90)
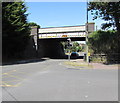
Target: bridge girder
(64, 39)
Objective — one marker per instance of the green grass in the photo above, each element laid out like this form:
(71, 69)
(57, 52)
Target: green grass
(98, 60)
(77, 64)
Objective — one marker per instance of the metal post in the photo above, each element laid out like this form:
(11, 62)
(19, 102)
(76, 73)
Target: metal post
(69, 54)
(87, 36)
(69, 41)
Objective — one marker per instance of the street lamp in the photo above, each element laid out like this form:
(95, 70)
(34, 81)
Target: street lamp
(87, 36)
(69, 41)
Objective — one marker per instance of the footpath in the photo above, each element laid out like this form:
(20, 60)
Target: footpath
(81, 64)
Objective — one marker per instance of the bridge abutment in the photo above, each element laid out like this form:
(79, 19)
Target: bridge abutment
(50, 48)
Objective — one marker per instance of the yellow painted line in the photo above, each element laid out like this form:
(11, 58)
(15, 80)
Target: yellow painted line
(8, 76)
(16, 71)
(11, 81)
(4, 84)
(5, 74)
(10, 85)
(9, 72)
(13, 71)
(15, 76)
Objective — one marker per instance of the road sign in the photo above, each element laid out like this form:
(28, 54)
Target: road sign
(88, 54)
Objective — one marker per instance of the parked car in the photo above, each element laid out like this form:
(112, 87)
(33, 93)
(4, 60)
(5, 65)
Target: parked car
(74, 55)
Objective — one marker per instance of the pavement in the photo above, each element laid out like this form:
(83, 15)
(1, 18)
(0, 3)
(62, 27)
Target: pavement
(80, 63)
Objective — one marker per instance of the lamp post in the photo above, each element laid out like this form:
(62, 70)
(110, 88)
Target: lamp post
(87, 36)
(69, 41)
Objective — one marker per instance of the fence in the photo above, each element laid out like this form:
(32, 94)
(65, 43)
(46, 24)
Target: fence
(106, 58)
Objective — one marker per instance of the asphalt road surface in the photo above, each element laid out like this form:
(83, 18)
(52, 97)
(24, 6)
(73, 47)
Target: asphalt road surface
(52, 80)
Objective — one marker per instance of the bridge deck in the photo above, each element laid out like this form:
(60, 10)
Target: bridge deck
(62, 32)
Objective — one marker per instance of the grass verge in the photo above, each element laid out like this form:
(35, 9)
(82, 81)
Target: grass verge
(77, 64)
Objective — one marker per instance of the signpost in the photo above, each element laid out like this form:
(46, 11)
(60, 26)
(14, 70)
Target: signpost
(69, 41)
(88, 54)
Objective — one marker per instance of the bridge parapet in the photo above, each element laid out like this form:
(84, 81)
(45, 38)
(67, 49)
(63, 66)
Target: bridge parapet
(64, 29)
(65, 32)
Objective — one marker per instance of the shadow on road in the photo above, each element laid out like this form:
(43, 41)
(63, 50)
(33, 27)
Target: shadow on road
(66, 57)
(23, 61)
(14, 62)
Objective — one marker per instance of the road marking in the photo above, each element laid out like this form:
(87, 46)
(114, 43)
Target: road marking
(15, 80)
(11, 81)
(9, 72)
(10, 85)
(15, 77)
(5, 74)
(60, 64)
(86, 96)
(4, 84)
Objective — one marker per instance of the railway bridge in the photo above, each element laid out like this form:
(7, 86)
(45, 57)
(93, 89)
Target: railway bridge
(47, 40)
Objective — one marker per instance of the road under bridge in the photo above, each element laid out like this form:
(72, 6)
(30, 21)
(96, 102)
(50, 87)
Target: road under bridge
(48, 40)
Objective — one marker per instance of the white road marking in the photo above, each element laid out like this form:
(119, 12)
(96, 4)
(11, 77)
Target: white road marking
(86, 96)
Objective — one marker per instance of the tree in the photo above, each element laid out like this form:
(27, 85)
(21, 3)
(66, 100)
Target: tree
(75, 47)
(34, 24)
(103, 42)
(15, 29)
(108, 11)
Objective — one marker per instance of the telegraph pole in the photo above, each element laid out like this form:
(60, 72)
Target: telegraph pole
(87, 36)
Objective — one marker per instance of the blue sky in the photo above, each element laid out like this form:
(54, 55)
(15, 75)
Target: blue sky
(55, 14)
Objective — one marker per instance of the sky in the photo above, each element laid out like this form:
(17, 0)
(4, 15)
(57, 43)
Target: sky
(57, 14)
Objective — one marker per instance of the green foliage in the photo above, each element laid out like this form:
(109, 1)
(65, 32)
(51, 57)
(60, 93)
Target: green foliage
(34, 24)
(65, 45)
(108, 11)
(74, 48)
(15, 29)
(103, 42)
